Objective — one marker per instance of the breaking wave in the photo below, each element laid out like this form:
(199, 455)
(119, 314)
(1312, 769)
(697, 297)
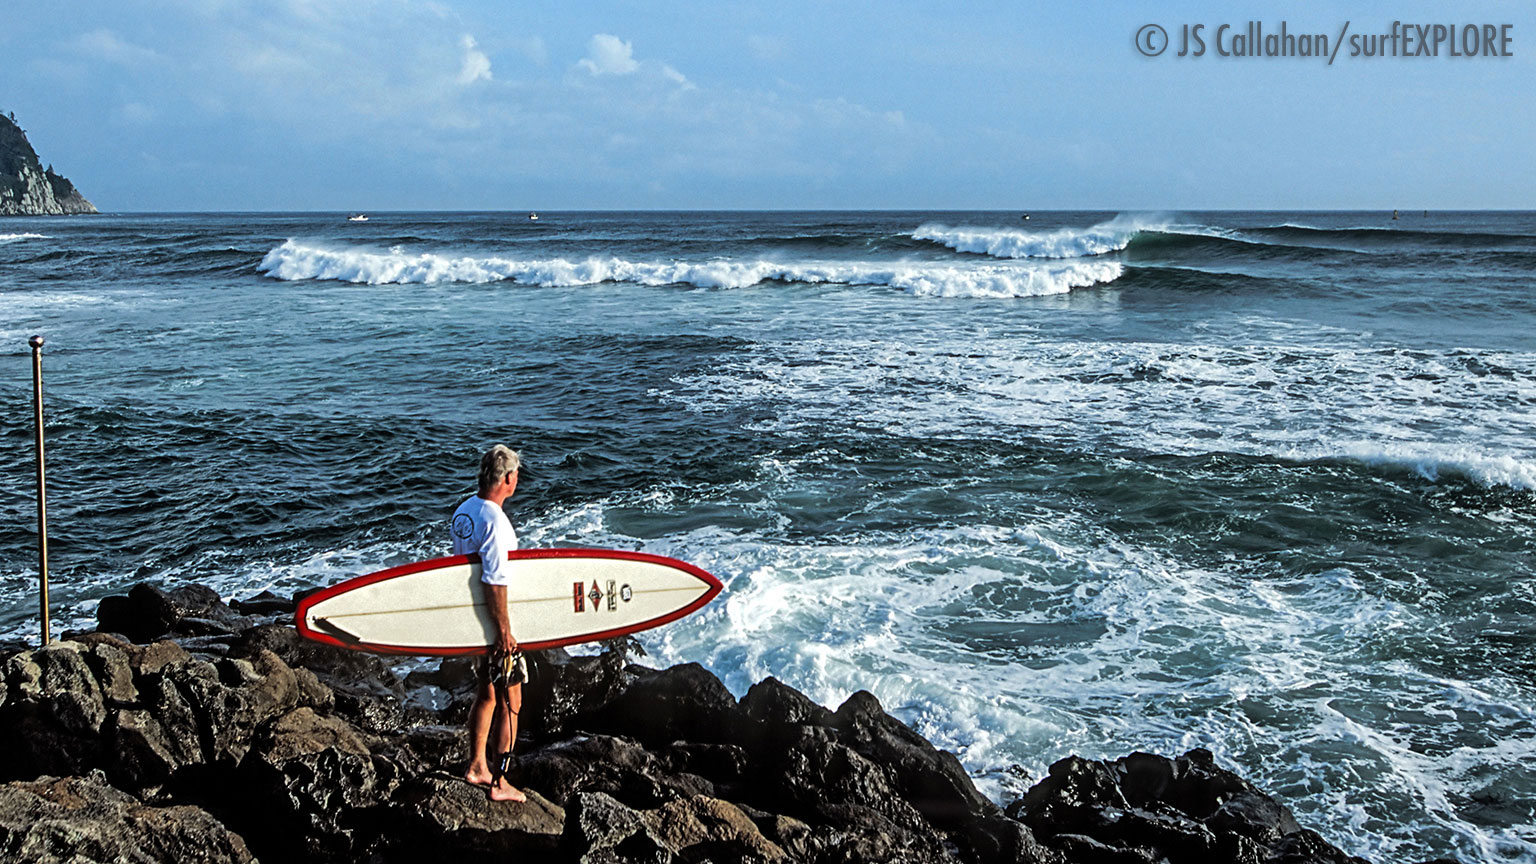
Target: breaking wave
(293, 261)
(11, 238)
(1111, 236)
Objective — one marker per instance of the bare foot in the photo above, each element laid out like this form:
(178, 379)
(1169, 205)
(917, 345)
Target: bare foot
(479, 777)
(504, 791)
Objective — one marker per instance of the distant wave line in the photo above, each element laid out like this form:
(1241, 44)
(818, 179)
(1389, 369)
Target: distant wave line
(295, 261)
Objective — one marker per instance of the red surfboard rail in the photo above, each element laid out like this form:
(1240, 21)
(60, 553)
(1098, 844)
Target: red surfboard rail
(714, 587)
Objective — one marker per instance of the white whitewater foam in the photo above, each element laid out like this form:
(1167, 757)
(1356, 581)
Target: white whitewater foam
(11, 238)
(294, 261)
(1419, 412)
(1141, 651)
(1111, 236)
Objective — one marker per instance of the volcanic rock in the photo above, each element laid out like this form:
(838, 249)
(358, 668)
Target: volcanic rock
(82, 819)
(314, 753)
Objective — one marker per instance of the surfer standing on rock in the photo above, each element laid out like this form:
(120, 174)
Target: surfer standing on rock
(481, 527)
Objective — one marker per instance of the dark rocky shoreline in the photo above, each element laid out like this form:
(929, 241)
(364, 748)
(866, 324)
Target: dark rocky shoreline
(187, 730)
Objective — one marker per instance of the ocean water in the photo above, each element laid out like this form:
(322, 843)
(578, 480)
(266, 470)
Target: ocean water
(1089, 483)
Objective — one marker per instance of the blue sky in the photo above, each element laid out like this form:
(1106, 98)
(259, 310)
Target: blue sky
(471, 104)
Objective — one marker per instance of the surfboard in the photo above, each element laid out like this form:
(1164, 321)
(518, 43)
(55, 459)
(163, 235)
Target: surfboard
(556, 597)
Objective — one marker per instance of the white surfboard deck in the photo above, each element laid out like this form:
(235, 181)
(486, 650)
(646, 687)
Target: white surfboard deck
(556, 597)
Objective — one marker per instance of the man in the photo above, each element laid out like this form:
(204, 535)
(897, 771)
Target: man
(481, 527)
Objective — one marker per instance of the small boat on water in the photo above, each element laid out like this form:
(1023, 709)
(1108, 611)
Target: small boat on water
(533, 217)
(358, 217)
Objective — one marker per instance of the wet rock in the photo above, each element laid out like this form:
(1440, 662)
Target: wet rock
(685, 702)
(272, 686)
(1083, 849)
(595, 822)
(150, 659)
(430, 748)
(1165, 832)
(380, 713)
(330, 663)
(364, 688)
(996, 839)
(1148, 807)
(223, 718)
(148, 612)
(306, 778)
(854, 843)
(454, 674)
(55, 706)
(109, 664)
(82, 819)
(1070, 798)
(788, 832)
(312, 693)
(142, 754)
(719, 763)
(265, 603)
(773, 703)
(562, 689)
(216, 705)
(438, 817)
(108, 654)
(814, 777)
(933, 780)
(1226, 801)
(1308, 847)
(701, 826)
(599, 828)
(602, 763)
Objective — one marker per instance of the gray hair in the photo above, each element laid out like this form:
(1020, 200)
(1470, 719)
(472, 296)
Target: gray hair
(496, 464)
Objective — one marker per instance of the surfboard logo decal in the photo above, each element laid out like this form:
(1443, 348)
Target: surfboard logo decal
(596, 596)
(581, 597)
(626, 594)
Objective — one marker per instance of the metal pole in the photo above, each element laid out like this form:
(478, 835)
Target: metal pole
(42, 484)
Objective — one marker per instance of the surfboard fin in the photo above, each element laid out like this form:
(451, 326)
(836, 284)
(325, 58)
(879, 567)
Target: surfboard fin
(328, 626)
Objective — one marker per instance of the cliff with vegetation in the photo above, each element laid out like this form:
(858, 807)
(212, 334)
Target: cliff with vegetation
(26, 187)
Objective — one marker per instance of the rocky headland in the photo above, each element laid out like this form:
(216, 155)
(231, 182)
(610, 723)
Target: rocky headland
(26, 187)
(187, 730)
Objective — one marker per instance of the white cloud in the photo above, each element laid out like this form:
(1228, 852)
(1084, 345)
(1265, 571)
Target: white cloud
(477, 66)
(103, 44)
(609, 55)
(331, 80)
(676, 77)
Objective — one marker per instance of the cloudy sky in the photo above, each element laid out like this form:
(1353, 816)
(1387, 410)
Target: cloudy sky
(489, 104)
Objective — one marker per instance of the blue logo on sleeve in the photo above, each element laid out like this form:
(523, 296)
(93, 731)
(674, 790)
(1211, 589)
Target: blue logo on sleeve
(463, 526)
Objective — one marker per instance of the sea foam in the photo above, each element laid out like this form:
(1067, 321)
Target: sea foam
(12, 238)
(294, 261)
(1171, 399)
